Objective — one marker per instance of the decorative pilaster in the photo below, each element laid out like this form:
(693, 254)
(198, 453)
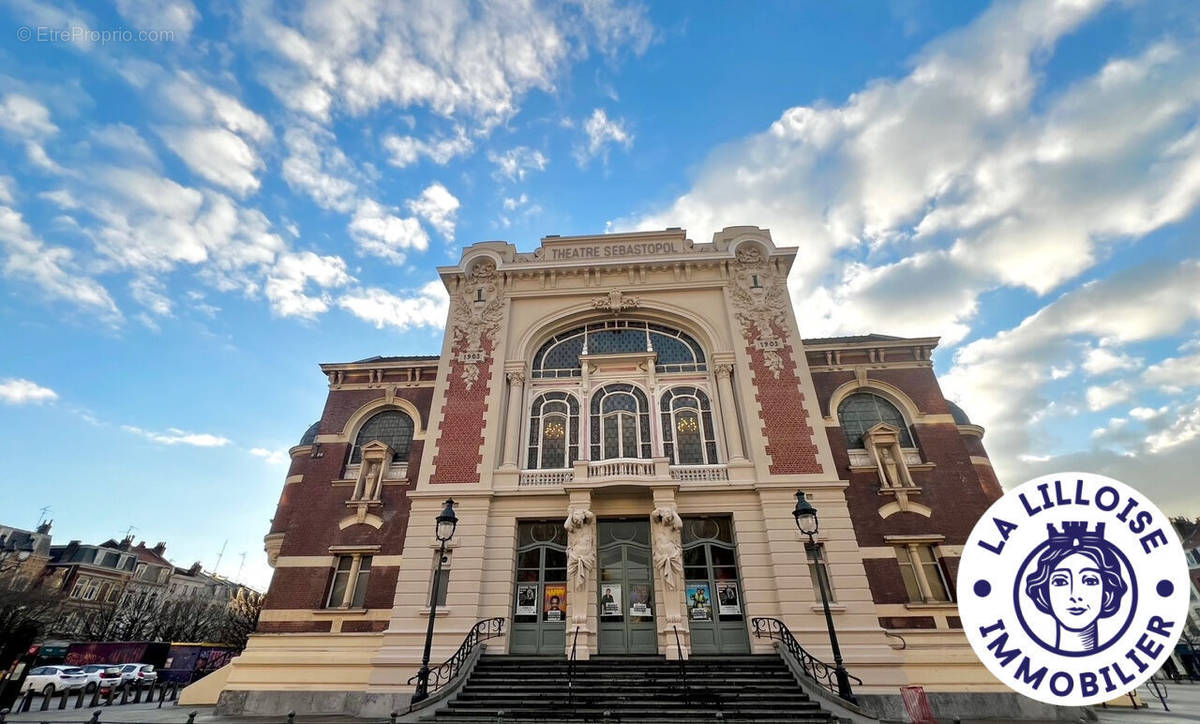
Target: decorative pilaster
(581, 567)
(667, 550)
(729, 418)
(512, 427)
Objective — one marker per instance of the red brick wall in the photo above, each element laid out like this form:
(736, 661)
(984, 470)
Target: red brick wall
(785, 424)
(907, 622)
(363, 626)
(461, 436)
(309, 511)
(956, 490)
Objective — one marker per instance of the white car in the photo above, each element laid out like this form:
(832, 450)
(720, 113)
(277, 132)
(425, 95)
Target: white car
(132, 673)
(101, 675)
(51, 679)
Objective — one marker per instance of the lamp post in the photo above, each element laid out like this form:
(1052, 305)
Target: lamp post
(446, 522)
(806, 520)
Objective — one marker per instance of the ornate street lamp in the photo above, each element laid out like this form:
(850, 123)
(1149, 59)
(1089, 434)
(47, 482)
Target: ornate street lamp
(447, 521)
(806, 520)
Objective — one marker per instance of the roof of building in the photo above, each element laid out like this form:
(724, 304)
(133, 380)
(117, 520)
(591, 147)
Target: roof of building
(400, 358)
(855, 338)
(310, 435)
(957, 413)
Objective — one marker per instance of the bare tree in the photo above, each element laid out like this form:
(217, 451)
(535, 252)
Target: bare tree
(25, 614)
(242, 617)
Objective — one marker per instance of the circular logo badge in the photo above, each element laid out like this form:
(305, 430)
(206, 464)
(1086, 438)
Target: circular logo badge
(1073, 589)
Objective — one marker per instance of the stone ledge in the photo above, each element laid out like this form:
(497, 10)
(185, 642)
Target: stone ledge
(307, 703)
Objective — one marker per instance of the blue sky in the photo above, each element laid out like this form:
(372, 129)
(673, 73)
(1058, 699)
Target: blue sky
(200, 207)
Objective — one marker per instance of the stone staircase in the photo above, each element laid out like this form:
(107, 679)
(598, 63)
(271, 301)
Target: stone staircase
(629, 689)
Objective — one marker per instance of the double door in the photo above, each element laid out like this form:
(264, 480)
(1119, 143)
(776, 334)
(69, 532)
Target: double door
(713, 590)
(625, 588)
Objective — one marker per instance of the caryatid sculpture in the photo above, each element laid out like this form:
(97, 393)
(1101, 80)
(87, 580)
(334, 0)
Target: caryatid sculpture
(668, 554)
(581, 547)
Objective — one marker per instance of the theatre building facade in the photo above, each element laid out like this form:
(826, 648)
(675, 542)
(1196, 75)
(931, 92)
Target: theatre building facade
(623, 422)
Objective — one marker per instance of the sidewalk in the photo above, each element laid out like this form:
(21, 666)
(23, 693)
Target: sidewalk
(168, 714)
(1183, 700)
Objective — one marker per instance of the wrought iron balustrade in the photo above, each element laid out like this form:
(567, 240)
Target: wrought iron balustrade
(448, 670)
(814, 668)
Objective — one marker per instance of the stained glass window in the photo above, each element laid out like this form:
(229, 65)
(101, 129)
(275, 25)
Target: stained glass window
(553, 431)
(862, 411)
(392, 427)
(688, 434)
(620, 423)
(676, 351)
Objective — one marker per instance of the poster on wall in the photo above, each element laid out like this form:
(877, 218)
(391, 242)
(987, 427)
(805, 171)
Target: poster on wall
(729, 603)
(639, 600)
(527, 599)
(699, 602)
(554, 602)
(610, 600)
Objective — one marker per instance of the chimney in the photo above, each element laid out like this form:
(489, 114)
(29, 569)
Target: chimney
(126, 542)
(159, 548)
(44, 528)
(195, 569)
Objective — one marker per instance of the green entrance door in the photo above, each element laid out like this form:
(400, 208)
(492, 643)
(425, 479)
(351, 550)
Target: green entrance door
(713, 589)
(625, 590)
(540, 599)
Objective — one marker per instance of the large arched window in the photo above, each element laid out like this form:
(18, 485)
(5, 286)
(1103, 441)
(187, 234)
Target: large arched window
(862, 411)
(688, 435)
(620, 423)
(676, 351)
(553, 431)
(391, 427)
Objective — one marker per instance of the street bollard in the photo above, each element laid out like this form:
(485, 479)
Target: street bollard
(391, 719)
(62, 700)
(95, 718)
(191, 718)
(45, 703)
(162, 694)
(95, 702)
(291, 717)
(174, 692)
(26, 702)
(137, 692)
(3, 715)
(79, 698)
(109, 696)
(125, 694)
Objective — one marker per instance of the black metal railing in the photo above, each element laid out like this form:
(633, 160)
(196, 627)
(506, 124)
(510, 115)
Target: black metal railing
(682, 661)
(571, 670)
(817, 670)
(448, 670)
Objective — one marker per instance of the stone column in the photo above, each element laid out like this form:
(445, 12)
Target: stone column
(512, 429)
(729, 418)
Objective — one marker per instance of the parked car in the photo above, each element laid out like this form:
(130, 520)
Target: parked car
(131, 673)
(103, 676)
(49, 679)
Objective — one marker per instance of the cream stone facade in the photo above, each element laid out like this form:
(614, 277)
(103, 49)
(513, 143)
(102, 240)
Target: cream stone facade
(630, 411)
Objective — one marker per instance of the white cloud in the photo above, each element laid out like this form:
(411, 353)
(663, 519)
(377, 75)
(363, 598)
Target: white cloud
(454, 57)
(513, 204)
(288, 282)
(515, 163)
(274, 457)
(428, 307)
(1102, 361)
(1100, 398)
(381, 233)
(316, 166)
(405, 150)
(175, 15)
(602, 133)
(217, 155)
(16, 391)
(438, 207)
(25, 117)
(1174, 374)
(175, 436)
(1147, 413)
(192, 99)
(150, 293)
(1185, 427)
(51, 268)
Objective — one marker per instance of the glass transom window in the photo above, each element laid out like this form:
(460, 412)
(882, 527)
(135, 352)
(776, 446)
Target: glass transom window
(676, 351)
(392, 427)
(862, 411)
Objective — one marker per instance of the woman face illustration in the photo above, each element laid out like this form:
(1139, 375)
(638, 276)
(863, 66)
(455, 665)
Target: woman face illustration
(1076, 591)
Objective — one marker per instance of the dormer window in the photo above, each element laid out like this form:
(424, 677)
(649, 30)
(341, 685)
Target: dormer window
(391, 427)
(862, 411)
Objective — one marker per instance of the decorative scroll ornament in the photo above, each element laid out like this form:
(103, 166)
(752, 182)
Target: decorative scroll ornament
(616, 302)
(477, 314)
(668, 554)
(760, 302)
(581, 547)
